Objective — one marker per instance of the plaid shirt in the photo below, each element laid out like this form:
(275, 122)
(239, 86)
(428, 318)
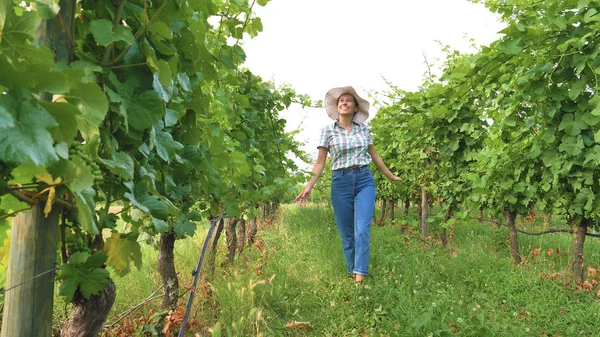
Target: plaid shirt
(347, 149)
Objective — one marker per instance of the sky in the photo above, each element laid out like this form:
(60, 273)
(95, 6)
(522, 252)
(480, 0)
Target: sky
(316, 45)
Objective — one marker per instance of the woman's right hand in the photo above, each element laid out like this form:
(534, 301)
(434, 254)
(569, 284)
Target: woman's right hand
(302, 198)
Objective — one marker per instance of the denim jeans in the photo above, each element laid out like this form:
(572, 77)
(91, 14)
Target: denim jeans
(353, 199)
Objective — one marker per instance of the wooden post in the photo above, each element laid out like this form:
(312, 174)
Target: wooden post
(28, 306)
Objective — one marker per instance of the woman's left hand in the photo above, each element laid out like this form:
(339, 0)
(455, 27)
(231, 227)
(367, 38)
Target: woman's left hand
(394, 178)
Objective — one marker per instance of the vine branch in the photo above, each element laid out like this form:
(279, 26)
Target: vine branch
(549, 231)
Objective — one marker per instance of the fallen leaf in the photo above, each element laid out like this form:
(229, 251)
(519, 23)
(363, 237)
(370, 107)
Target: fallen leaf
(535, 253)
(298, 325)
(587, 285)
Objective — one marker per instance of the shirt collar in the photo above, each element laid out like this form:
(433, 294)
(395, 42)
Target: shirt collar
(338, 124)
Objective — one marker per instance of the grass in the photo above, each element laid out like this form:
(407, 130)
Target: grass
(295, 275)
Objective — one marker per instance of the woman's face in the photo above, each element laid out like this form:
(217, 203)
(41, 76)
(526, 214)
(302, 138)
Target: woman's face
(347, 105)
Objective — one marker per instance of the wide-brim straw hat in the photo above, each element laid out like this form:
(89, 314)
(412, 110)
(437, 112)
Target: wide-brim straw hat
(331, 104)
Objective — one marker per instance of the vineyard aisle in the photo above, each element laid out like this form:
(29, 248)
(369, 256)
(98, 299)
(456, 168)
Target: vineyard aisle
(292, 281)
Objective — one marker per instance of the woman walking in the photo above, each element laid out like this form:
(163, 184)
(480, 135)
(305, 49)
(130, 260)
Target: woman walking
(349, 142)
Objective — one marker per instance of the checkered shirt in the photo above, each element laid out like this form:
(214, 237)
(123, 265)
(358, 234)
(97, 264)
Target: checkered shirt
(347, 149)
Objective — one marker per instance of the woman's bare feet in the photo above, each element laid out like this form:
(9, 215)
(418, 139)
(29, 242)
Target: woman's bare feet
(359, 278)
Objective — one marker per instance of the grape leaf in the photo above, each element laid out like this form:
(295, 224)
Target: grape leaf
(164, 73)
(29, 140)
(122, 249)
(6, 119)
(146, 202)
(84, 272)
(511, 46)
(86, 210)
(184, 227)
(163, 92)
(143, 110)
(159, 225)
(90, 100)
(161, 28)
(65, 114)
(121, 164)
(102, 30)
(76, 174)
(166, 147)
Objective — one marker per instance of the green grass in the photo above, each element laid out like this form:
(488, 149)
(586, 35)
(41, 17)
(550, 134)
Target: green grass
(296, 273)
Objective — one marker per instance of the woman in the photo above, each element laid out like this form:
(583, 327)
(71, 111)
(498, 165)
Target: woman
(349, 142)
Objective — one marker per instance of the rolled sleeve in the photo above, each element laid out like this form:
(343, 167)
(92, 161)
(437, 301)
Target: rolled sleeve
(324, 138)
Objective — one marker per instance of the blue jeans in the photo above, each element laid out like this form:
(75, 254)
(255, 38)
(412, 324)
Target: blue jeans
(353, 199)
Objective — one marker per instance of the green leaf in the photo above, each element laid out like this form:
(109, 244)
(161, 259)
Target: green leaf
(549, 135)
(123, 33)
(571, 145)
(184, 81)
(166, 147)
(160, 28)
(572, 124)
(6, 118)
(194, 216)
(164, 93)
(184, 227)
(228, 61)
(594, 103)
(121, 164)
(83, 272)
(232, 209)
(102, 30)
(66, 116)
(19, 54)
(597, 137)
(536, 151)
(171, 117)
(164, 73)
(511, 46)
(593, 155)
(591, 119)
(159, 225)
(51, 82)
(29, 140)
(90, 100)
(122, 249)
(11, 204)
(75, 174)
(144, 110)
(576, 89)
(146, 202)
(86, 210)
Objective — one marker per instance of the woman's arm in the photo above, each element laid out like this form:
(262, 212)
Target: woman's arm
(380, 165)
(317, 170)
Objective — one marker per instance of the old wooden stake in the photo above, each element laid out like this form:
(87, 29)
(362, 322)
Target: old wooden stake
(28, 303)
